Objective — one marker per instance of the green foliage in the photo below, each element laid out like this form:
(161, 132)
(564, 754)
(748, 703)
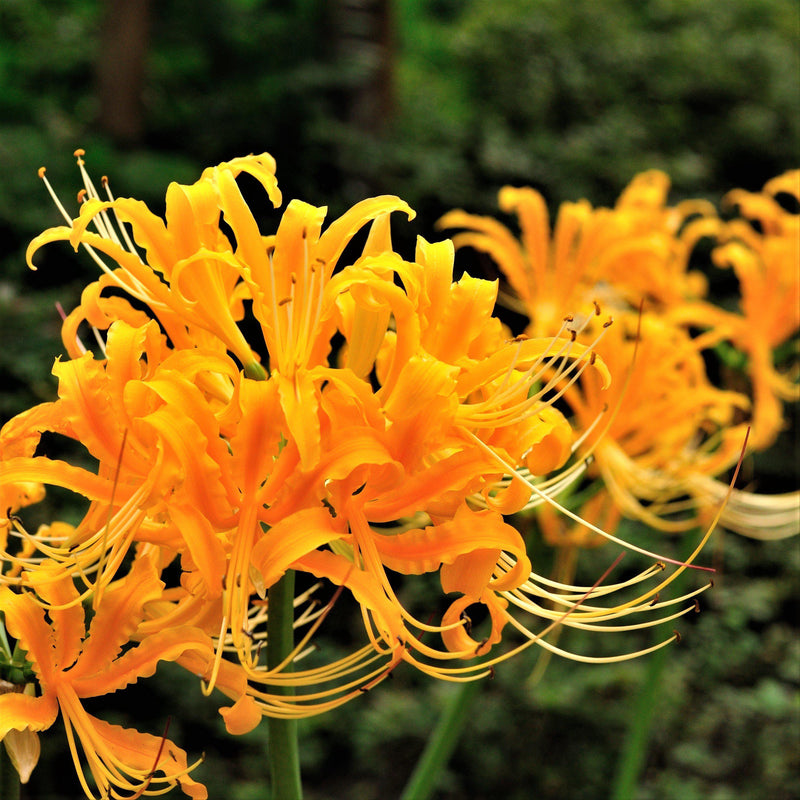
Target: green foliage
(575, 98)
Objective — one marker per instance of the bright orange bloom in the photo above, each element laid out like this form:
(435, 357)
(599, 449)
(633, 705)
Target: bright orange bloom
(394, 455)
(764, 251)
(72, 663)
(639, 249)
(668, 432)
(667, 424)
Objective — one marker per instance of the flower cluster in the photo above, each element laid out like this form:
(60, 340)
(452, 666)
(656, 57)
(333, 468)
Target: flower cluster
(670, 431)
(306, 402)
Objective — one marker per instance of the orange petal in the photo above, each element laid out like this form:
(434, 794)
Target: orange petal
(291, 539)
(19, 711)
(242, 717)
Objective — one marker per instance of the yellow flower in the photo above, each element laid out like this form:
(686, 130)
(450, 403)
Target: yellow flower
(639, 249)
(70, 667)
(764, 252)
(189, 277)
(362, 468)
(666, 424)
(668, 432)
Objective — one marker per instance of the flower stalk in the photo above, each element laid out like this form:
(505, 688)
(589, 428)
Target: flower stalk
(284, 754)
(439, 748)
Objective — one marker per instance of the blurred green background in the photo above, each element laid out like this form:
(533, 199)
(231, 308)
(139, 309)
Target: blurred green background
(440, 102)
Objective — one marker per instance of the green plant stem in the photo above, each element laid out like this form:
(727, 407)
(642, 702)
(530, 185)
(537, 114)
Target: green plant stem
(442, 742)
(9, 779)
(284, 755)
(637, 738)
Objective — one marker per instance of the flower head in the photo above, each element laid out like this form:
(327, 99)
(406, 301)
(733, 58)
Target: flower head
(264, 403)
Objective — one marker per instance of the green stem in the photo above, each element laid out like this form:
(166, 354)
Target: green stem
(637, 738)
(442, 742)
(9, 779)
(284, 756)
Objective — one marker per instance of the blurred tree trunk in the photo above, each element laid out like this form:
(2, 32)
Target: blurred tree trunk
(367, 43)
(124, 40)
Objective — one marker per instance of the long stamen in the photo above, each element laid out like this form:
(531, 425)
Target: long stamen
(555, 504)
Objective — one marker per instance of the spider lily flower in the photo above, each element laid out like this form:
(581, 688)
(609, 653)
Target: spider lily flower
(123, 409)
(182, 278)
(763, 249)
(72, 663)
(669, 425)
(360, 468)
(590, 251)
(640, 250)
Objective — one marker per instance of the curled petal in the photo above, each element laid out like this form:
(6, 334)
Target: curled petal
(242, 717)
(19, 711)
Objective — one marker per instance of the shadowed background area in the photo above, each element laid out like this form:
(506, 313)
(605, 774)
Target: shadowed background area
(441, 102)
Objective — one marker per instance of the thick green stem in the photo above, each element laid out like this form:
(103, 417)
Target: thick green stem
(284, 756)
(442, 742)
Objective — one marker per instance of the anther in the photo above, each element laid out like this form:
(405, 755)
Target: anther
(104, 180)
(696, 606)
(596, 308)
(82, 196)
(284, 301)
(79, 153)
(573, 334)
(678, 637)
(592, 357)
(42, 171)
(569, 318)
(305, 233)
(608, 322)
(655, 600)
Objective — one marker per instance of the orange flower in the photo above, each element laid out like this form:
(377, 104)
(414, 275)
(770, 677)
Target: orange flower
(639, 249)
(764, 252)
(70, 667)
(395, 457)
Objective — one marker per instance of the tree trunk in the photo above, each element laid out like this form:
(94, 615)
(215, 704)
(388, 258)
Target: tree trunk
(367, 40)
(124, 41)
